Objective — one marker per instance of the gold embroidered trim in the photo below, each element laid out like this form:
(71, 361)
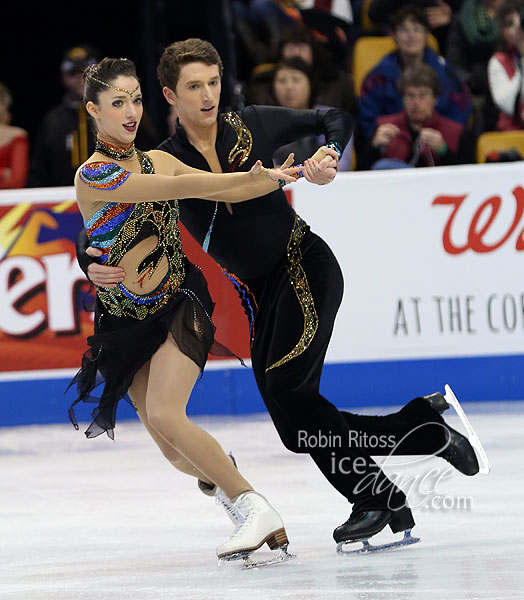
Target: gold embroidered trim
(244, 142)
(298, 280)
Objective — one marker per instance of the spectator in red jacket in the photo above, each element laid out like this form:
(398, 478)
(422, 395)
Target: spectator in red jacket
(418, 136)
(14, 147)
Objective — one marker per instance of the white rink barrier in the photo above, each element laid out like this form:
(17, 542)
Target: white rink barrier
(433, 293)
(432, 259)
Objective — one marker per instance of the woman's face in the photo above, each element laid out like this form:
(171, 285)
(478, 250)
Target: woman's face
(410, 37)
(292, 88)
(511, 30)
(118, 113)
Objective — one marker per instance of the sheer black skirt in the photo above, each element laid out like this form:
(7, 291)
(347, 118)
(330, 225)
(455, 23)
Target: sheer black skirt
(121, 346)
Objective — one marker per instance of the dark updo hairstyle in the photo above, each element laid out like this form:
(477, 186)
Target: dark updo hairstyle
(107, 70)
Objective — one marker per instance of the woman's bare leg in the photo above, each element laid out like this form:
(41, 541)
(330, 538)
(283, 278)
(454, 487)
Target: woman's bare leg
(172, 376)
(138, 391)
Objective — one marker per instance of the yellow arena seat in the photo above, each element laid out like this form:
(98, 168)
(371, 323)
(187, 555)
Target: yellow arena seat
(499, 140)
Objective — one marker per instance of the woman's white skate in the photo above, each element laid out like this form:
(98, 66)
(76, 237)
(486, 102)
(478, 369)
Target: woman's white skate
(251, 561)
(260, 524)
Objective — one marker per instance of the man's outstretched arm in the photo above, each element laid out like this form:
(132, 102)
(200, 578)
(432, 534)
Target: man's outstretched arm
(285, 125)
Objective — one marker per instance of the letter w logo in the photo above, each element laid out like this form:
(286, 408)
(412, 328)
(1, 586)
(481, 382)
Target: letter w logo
(477, 232)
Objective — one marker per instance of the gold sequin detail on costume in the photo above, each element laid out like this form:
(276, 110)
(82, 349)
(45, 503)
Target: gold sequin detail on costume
(244, 143)
(298, 280)
(118, 227)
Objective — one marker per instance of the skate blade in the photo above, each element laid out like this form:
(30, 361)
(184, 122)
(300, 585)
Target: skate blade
(473, 438)
(250, 562)
(368, 548)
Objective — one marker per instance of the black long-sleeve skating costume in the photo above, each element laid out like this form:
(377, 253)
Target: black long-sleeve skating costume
(291, 286)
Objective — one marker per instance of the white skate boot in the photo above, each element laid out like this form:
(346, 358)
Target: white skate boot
(221, 498)
(260, 524)
(232, 512)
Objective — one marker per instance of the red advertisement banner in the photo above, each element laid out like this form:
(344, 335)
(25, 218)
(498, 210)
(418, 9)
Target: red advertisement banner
(43, 292)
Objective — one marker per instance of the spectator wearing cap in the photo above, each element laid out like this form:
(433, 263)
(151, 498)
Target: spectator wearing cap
(418, 136)
(13, 146)
(64, 141)
(380, 95)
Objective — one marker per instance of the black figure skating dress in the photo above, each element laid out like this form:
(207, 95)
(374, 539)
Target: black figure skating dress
(130, 327)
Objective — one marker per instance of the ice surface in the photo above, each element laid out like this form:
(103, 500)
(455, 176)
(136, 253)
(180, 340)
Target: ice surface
(95, 519)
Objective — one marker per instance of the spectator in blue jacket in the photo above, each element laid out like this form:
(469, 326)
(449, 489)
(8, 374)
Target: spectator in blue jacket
(380, 95)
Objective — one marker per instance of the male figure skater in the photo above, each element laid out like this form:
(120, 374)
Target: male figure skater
(291, 287)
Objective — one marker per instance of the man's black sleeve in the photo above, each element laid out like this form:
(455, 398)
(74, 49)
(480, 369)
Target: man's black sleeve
(82, 244)
(285, 125)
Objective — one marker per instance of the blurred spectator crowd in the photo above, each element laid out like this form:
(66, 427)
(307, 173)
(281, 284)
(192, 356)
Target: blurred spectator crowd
(424, 81)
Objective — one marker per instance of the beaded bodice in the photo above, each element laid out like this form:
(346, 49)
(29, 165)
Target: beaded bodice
(117, 228)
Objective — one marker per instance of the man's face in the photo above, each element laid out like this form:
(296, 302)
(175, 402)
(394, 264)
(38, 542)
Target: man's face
(419, 103)
(197, 95)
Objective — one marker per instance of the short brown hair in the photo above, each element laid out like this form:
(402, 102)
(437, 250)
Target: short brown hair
(420, 75)
(182, 53)
(409, 12)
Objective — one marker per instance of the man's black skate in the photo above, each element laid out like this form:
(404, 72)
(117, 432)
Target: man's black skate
(473, 439)
(363, 525)
(437, 402)
(459, 452)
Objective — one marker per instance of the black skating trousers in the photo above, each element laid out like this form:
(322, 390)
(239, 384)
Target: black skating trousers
(291, 391)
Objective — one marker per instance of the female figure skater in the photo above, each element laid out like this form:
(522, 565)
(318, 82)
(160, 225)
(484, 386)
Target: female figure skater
(153, 330)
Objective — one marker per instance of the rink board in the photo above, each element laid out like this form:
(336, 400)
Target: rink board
(431, 260)
(234, 392)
